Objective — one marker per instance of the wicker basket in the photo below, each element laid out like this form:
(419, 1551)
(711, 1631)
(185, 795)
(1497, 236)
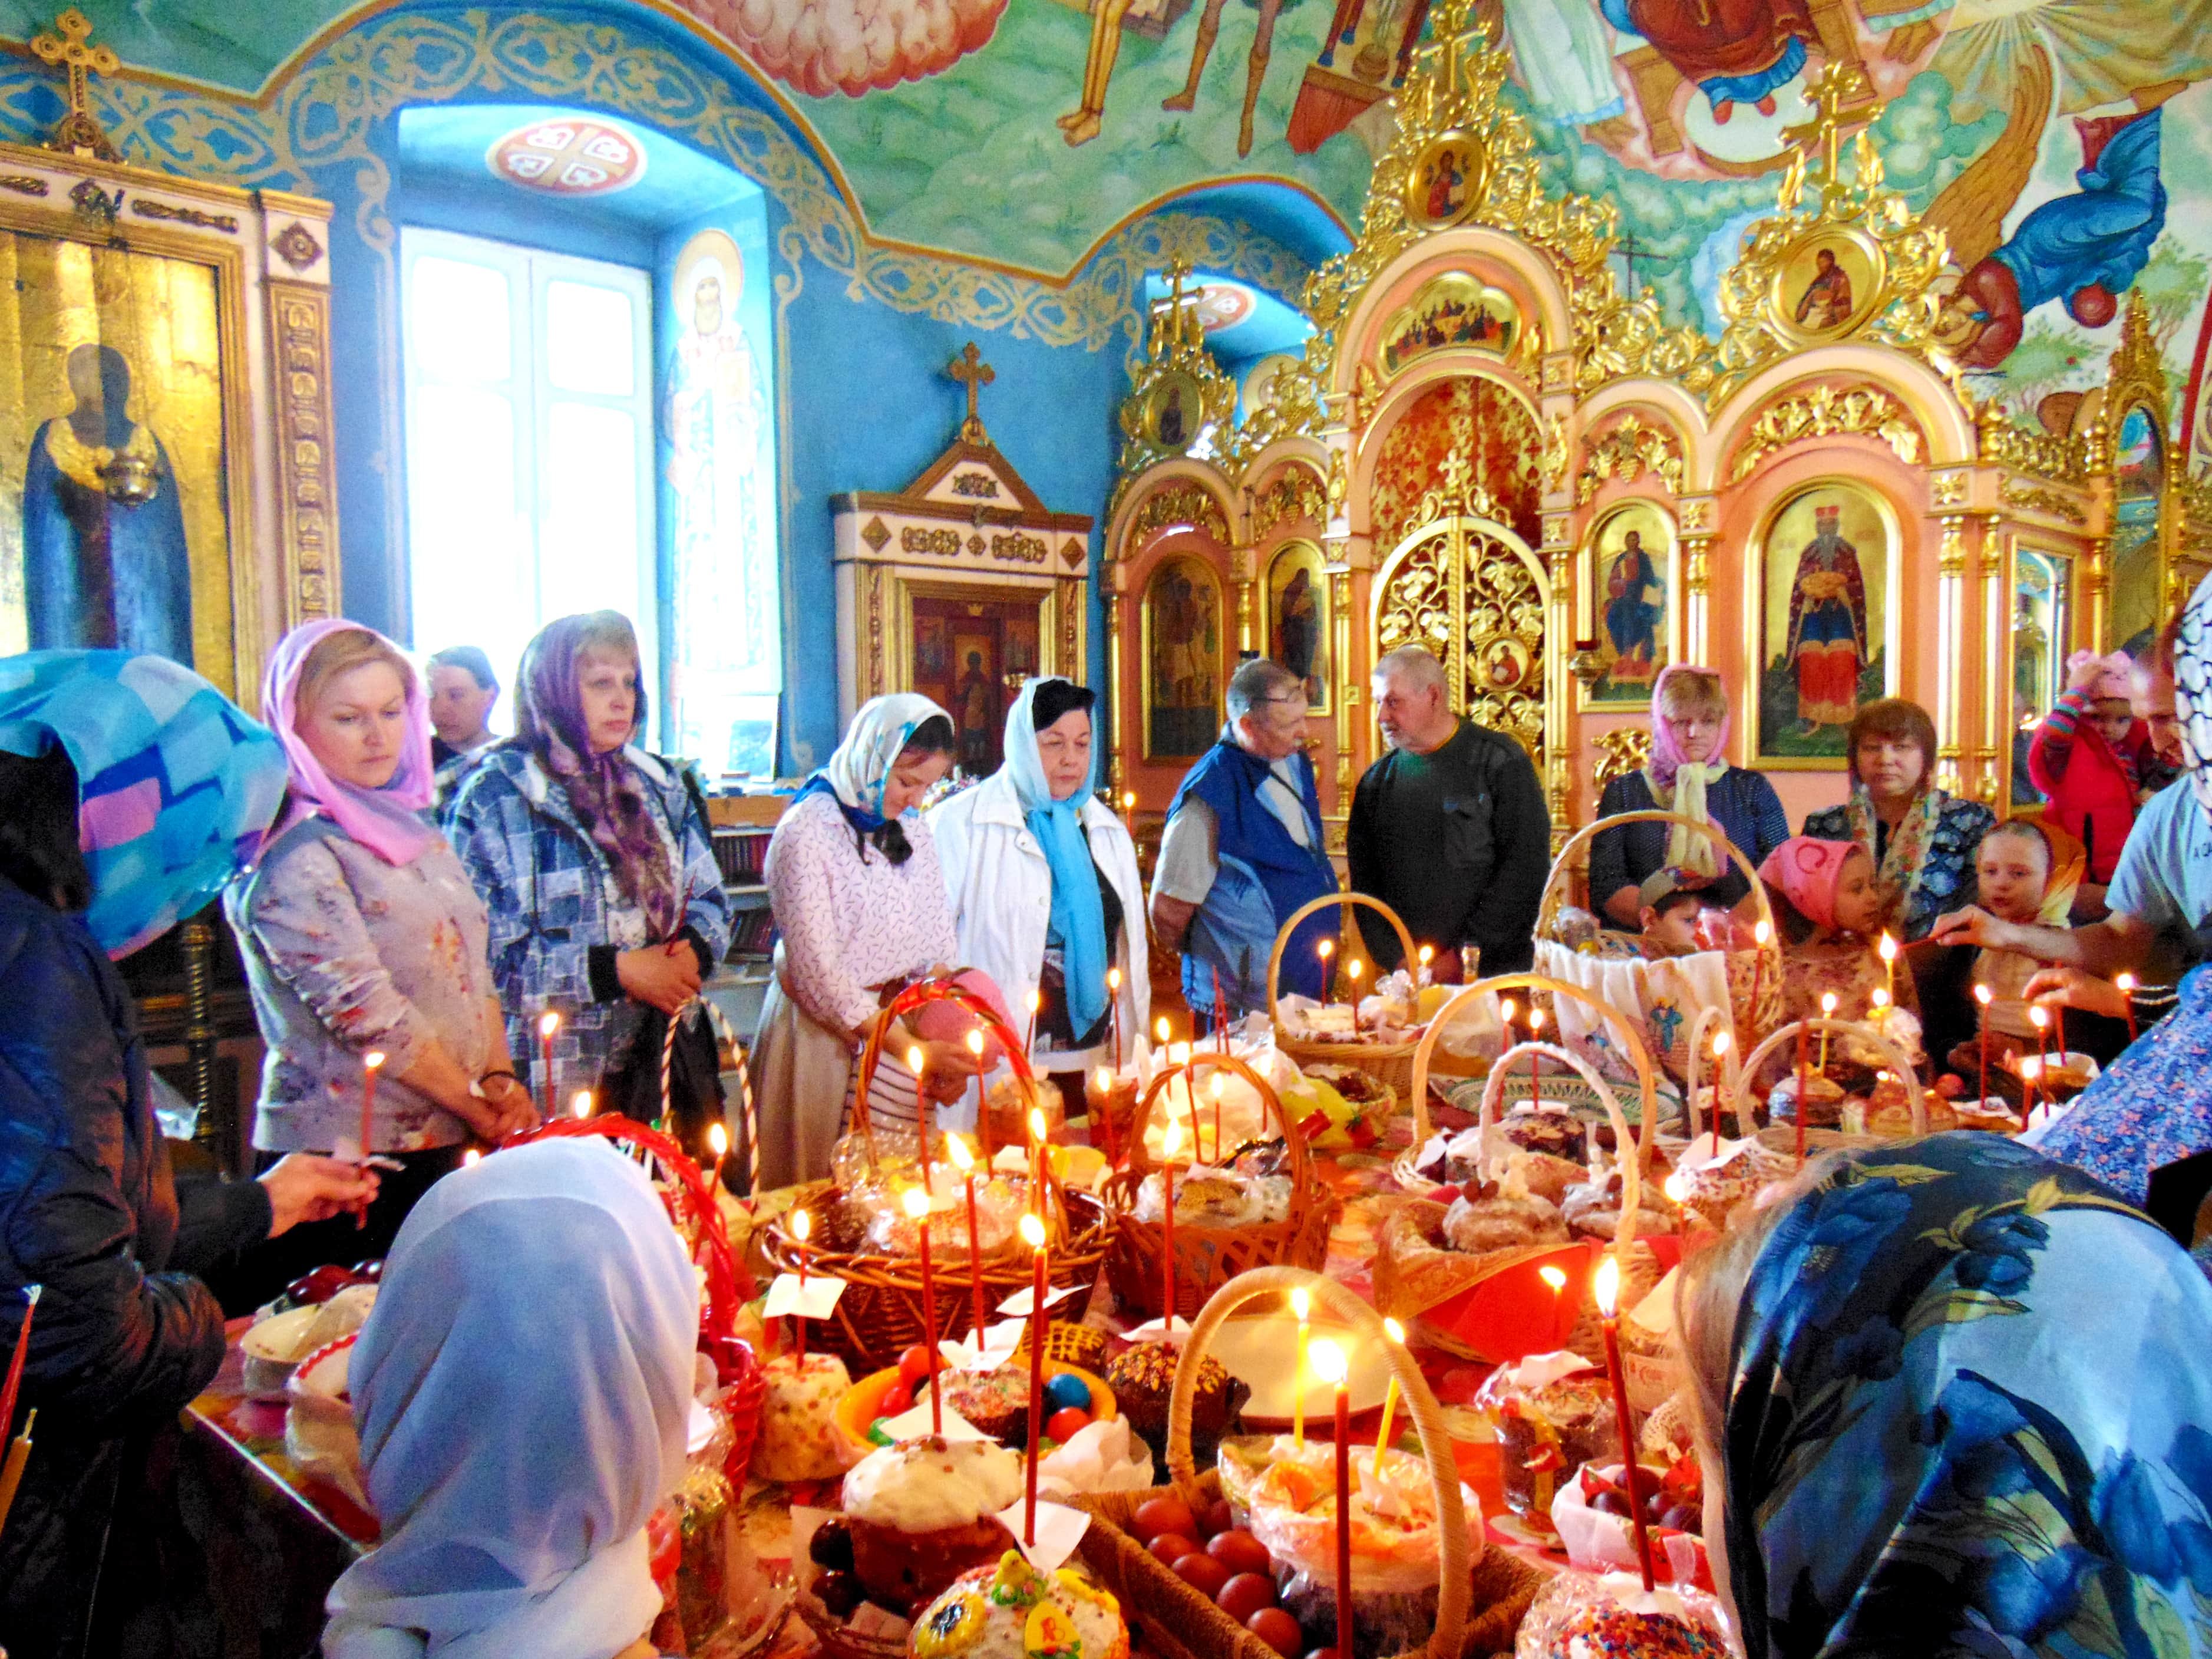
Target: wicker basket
(880, 1314)
(1387, 1063)
(1484, 1592)
(1207, 1258)
(694, 1214)
(1412, 1278)
(1747, 973)
(1784, 1137)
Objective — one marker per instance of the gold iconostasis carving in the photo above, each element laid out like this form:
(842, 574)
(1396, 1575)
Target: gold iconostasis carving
(1502, 455)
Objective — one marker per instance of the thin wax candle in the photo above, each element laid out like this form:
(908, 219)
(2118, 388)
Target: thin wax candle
(966, 1161)
(1329, 1365)
(371, 1064)
(1301, 1307)
(1607, 1289)
(1982, 1013)
(1171, 1138)
(1397, 1334)
(1033, 1236)
(2125, 985)
(548, 1023)
(802, 1223)
(1114, 1013)
(917, 1210)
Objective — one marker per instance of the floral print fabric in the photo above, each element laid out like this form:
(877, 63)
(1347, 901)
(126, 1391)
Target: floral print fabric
(1942, 1311)
(1931, 867)
(2152, 1107)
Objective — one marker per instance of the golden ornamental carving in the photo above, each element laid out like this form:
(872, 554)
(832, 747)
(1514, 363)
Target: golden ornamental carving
(1824, 412)
(2135, 374)
(1627, 452)
(1181, 403)
(1559, 455)
(70, 48)
(1621, 750)
(1842, 259)
(2060, 458)
(306, 485)
(1181, 503)
(2039, 498)
(2196, 537)
(1947, 489)
(1294, 492)
(1293, 409)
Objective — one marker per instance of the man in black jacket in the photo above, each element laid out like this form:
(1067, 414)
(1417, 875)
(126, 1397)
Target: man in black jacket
(1449, 828)
(123, 1340)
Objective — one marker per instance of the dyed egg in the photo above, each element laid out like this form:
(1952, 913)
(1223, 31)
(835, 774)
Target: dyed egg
(1065, 1393)
(1063, 1426)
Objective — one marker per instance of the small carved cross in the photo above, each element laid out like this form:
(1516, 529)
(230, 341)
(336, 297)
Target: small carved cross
(973, 373)
(72, 49)
(1836, 85)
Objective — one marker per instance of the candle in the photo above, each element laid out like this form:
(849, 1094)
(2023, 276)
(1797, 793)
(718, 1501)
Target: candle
(2039, 1018)
(1102, 1111)
(1220, 1012)
(1800, 1094)
(718, 1142)
(581, 1105)
(1329, 1365)
(1827, 1012)
(548, 1023)
(2058, 1028)
(802, 1223)
(1129, 812)
(1606, 1287)
(1037, 1133)
(11, 1473)
(1425, 955)
(1722, 1043)
(1218, 1084)
(1160, 1030)
(8, 1392)
(917, 1210)
(1981, 994)
(1354, 970)
(975, 1041)
(2125, 985)
(371, 1064)
(1535, 1081)
(966, 1160)
(1326, 950)
(1397, 1334)
(1557, 1279)
(1887, 948)
(1301, 1306)
(1036, 1003)
(1033, 1236)
(1171, 1138)
(471, 1158)
(1759, 936)
(2031, 1077)
(1114, 1011)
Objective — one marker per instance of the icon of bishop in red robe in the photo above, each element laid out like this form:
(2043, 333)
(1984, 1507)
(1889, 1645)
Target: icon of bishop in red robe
(1737, 51)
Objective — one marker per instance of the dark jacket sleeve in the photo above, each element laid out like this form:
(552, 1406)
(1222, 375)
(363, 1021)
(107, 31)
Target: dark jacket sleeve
(113, 1346)
(1770, 824)
(1608, 858)
(1502, 916)
(217, 1221)
(1363, 868)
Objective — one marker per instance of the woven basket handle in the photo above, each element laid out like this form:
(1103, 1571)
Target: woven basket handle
(1632, 1179)
(1707, 1017)
(1555, 889)
(1294, 1143)
(1345, 901)
(1428, 1418)
(1812, 1028)
(1493, 1087)
(914, 996)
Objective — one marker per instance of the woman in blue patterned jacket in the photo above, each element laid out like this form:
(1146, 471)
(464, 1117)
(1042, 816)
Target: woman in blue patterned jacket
(594, 859)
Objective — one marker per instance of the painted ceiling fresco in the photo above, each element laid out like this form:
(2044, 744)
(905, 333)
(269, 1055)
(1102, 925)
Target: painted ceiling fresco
(2063, 146)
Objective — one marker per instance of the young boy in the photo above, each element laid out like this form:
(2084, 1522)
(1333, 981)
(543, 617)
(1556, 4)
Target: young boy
(1667, 910)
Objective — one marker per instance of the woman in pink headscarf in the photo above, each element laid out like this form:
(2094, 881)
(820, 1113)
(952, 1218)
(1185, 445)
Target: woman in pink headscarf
(360, 934)
(1828, 907)
(1688, 774)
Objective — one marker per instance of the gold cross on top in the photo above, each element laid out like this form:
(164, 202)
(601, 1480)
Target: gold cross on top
(972, 372)
(1836, 85)
(78, 132)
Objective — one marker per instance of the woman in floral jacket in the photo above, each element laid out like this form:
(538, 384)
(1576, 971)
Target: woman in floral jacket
(1929, 1427)
(593, 858)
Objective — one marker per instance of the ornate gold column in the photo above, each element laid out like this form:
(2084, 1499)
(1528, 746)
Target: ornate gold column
(1350, 691)
(1124, 726)
(1696, 517)
(1950, 647)
(1559, 553)
(1997, 624)
(1243, 570)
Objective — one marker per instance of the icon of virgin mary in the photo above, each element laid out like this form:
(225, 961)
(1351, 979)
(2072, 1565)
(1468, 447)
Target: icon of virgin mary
(104, 561)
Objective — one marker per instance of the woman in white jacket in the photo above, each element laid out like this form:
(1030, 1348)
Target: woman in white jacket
(1043, 882)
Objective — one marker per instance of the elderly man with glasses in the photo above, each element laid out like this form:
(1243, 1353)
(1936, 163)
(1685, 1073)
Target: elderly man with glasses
(1243, 850)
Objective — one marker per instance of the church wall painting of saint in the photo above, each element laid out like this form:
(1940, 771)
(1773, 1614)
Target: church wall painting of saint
(113, 531)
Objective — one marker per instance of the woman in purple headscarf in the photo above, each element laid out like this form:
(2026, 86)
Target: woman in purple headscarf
(361, 935)
(1689, 773)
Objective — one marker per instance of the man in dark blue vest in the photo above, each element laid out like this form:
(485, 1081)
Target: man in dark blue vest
(1243, 850)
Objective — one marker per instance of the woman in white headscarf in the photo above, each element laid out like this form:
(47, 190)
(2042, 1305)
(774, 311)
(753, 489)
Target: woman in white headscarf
(522, 1389)
(1044, 884)
(860, 910)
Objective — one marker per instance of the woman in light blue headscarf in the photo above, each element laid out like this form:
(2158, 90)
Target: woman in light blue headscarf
(1044, 886)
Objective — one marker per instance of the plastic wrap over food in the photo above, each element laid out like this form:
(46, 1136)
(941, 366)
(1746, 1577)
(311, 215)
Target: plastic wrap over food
(1207, 1197)
(888, 1230)
(1290, 1498)
(1579, 1615)
(1192, 1101)
(1102, 1457)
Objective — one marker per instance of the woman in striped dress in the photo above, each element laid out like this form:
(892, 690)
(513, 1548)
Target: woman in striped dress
(861, 909)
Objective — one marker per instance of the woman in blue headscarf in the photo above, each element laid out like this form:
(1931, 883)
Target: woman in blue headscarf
(1044, 885)
(1930, 1425)
(134, 789)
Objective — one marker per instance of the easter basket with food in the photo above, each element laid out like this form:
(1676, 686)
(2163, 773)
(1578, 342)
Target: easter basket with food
(855, 1228)
(1377, 1034)
(1265, 1585)
(1822, 1115)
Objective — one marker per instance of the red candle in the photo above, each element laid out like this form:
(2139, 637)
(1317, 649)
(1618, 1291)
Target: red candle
(31, 1293)
(2040, 1019)
(1033, 1236)
(966, 1160)
(1220, 1013)
(1982, 1002)
(1329, 1365)
(1170, 1140)
(1036, 1002)
(2125, 985)
(548, 1023)
(917, 1209)
(1606, 1288)
(982, 1106)
(371, 1064)
(1219, 1084)
(1760, 935)
(1114, 1013)
(1326, 951)
(1800, 1094)
(718, 1142)
(802, 1223)
(1536, 1083)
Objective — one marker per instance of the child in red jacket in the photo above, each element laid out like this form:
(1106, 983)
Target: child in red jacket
(2086, 759)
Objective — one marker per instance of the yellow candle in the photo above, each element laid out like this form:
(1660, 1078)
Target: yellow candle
(1302, 1305)
(1827, 1012)
(1397, 1333)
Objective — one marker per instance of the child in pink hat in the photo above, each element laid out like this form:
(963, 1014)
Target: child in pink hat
(2086, 759)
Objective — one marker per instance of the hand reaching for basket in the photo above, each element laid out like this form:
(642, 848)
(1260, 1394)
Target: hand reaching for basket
(947, 1069)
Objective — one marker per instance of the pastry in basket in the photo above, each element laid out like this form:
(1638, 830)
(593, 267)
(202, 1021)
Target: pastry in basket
(1012, 1611)
(921, 1514)
(1889, 1112)
(1463, 1159)
(997, 1403)
(1548, 1129)
(1714, 1180)
(798, 1436)
(1824, 1098)
(1359, 1089)
(1143, 1378)
(1503, 1214)
(1582, 1616)
(1552, 1413)
(1593, 1209)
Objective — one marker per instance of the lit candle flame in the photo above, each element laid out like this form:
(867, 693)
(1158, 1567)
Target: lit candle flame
(718, 1139)
(1325, 1360)
(1720, 1043)
(1128, 800)
(1326, 949)
(1555, 1277)
(1396, 1332)
(2038, 1016)
(1036, 1002)
(1828, 1005)
(1033, 1232)
(914, 1059)
(1161, 1028)
(961, 1156)
(1038, 1128)
(582, 1103)
(1103, 1078)
(1879, 998)
(975, 1041)
(1677, 1188)
(2030, 1068)
(917, 1202)
(1301, 1302)
(1508, 1008)
(1762, 933)
(802, 1225)
(1605, 1286)
(471, 1158)
(1887, 948)
(1981, 994)
(1355, 968)
(2124, 983)
(548, 1023)
(1171, 1138)
(1535, 1023)
(373, 1061)
(1114, 979)
(1428, 953)
(1218, 1084)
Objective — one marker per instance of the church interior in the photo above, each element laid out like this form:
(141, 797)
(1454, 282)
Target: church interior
(1852, 354)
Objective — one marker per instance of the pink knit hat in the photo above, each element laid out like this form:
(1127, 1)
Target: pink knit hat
(2113, 673)
(1809, 871)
